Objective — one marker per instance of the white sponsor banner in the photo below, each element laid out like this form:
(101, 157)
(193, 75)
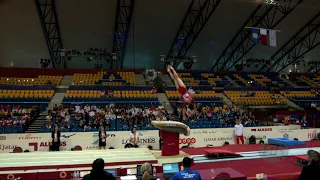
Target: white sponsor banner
(217, 137)
(118, 139)
(87, 140)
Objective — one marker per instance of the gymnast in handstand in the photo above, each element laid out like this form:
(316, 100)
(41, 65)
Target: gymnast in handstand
(186, 95)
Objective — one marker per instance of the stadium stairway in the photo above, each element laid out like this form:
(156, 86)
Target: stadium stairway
(285, 80)
(37, 124)
(140, 80)
(66, 81)
(232, 82)
(166, 79)
(163, 99)
(225, 99)
(290, 103)
(56, 99)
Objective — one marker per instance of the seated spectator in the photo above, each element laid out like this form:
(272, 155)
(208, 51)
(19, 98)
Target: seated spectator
(311, 171)
(146, 171)
(191, 174)
(98, 172)
(48, 125)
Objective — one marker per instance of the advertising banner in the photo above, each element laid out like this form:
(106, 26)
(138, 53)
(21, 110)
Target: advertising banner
(118, 139)
(87, 140)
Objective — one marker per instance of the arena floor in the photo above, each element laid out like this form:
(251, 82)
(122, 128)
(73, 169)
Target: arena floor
(114, 158)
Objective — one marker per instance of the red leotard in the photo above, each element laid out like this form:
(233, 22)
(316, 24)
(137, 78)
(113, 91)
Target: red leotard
(184, 92)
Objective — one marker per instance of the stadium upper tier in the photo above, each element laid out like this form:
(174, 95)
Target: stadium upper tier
(105, 79)
(203, 79)
(40, 80)
(253, 98)
(301, 96)
(198, 96)
(253, 79)
(312, 79)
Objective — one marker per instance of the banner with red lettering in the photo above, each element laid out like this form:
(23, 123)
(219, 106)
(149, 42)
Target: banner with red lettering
(118, 139)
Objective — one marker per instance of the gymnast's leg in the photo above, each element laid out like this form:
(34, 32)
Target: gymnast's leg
(177, 81)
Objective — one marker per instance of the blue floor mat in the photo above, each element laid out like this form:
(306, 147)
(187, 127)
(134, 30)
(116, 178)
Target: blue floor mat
(284, 142)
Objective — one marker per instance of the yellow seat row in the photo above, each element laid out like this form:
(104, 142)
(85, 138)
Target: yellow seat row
(27, 91)
(2, 95)
(298, 94)
(202, 94)
(112, 84)
(41, 80)
(242, 80)
(260, 98)
(257, 101)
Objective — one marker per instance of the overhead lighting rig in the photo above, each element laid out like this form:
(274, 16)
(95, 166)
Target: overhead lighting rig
(187, 61)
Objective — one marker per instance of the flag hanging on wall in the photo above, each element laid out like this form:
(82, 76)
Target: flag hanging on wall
(264, 36)
(255, 35)
(273, 38)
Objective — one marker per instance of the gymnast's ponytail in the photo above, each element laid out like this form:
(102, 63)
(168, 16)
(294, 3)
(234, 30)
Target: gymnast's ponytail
(146, 171)
(146, 175)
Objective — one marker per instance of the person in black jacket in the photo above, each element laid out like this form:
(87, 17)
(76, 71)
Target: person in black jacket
(311, 171)
(102, 138)
(98, 172)
(55, 135)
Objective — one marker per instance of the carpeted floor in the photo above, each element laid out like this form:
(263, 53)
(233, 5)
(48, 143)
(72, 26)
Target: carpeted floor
(248, 147)
(252, 167)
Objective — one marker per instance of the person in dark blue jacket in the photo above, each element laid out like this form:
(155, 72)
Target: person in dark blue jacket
(98, 172)
(187, 173)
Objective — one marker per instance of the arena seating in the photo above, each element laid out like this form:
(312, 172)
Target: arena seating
(26, 96)
(257, 98)
(195, 79)
(124, 95)
(241, 79)
(105, 78)
(312, 78)
(40, 80)
(254, 79)
(268, 80)
(300, 96)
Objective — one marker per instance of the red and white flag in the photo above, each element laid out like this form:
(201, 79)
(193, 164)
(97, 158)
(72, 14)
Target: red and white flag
(264, 36)
(272, 38)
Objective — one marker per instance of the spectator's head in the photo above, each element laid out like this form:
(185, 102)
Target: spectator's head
(101, 127)
(146, 171)
(313, 156)
(97, 169)
(186, 162)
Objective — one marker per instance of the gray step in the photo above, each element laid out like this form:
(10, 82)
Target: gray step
(34, 127)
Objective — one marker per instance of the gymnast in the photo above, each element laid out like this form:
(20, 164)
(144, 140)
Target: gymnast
(186, 95)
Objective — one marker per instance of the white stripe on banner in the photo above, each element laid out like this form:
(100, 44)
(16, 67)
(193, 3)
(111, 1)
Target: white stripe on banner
(273, 38)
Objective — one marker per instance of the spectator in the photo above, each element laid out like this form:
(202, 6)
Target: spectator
(98, 172)
(311, 171)
(146, 171)
(187, 172)
(238, 132)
